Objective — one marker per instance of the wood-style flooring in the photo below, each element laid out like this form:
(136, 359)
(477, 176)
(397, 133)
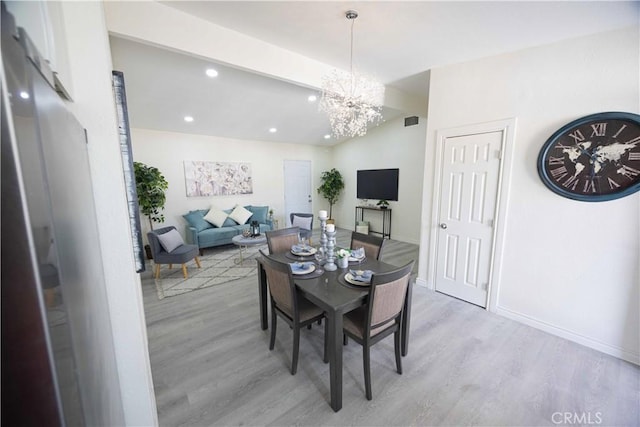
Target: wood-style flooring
(212, 366)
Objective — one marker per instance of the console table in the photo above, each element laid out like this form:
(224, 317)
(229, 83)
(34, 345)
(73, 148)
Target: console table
(386, 219)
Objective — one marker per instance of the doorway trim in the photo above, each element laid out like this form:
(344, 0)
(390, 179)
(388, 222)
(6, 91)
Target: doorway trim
(507, 127)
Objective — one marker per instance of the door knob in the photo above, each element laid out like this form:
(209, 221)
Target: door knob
(443, 226)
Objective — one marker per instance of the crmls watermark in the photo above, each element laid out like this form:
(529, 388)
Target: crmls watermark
(577, 418)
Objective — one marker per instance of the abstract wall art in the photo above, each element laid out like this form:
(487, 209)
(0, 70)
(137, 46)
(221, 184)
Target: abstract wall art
(217, 178)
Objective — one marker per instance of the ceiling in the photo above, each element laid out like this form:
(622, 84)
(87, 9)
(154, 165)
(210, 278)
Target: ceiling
(396, 41)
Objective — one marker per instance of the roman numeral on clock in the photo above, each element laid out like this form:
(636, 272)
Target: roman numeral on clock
(629, 172)
(559, 173)
(589, 186)
(556, 160)
(577, 135)
(634, 156)
(612, 184)
(571, 182)
(599, 129)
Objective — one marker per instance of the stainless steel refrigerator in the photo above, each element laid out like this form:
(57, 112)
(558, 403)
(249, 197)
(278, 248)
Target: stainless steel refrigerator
(48, 228)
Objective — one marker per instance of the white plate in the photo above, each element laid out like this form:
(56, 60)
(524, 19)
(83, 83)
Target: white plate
(307, 253)
(310, 268)
(354, 259)
(349, 278)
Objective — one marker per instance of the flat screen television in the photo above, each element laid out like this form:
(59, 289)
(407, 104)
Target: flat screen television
(378, 184)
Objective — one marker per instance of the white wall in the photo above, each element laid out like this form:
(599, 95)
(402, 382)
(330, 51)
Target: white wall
(568, 267)
(124, 397)
(167, 151)
(391, 145)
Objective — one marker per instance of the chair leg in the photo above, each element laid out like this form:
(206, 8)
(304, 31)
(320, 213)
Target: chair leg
(367, 370)
(170, 266)
(397, 345)
(157, 271)
(296, 348)
(345, 339)
(274, 323)
(184, 271)
(198, 262)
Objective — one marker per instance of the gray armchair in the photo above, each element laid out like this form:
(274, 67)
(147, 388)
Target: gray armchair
(180, 255)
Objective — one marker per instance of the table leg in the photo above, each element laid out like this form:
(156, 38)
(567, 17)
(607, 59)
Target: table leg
(241, 259)
(406, 320)
(335, 359)
(262, 291)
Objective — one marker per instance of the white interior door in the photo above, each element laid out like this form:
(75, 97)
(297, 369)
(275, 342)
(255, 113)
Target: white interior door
(466, 219)
(297, 187)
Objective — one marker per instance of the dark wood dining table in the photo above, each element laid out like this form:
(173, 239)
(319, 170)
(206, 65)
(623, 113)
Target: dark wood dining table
(336, 297)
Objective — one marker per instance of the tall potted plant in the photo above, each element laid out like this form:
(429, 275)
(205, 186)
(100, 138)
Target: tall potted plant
(332, 185)
(150, 186)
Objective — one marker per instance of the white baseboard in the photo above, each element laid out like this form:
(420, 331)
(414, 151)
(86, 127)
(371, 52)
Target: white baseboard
(571, 336)
(422, 282)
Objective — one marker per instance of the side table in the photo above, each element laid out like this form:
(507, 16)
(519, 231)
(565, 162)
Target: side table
(244, 242)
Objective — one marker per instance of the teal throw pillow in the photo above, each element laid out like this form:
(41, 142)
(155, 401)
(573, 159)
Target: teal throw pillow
(196, 220)
(228, 222)
(259, 213)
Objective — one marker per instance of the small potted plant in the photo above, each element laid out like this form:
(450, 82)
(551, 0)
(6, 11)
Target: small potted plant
(342, 256)
(383, 204)
(270, 214)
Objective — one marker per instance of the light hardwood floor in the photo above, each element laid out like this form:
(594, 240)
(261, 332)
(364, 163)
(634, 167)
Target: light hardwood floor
(211, 366)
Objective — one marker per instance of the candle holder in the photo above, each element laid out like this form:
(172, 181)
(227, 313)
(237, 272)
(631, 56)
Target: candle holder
(331, 243)
(323, 235)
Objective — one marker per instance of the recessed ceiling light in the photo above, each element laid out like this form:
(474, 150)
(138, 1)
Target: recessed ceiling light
(24, 94)
(327, 136)
(211, 72)
(312, 98)
(273, 130)
(188, 119)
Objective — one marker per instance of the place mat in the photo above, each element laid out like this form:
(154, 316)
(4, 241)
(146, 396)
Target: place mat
(299, 257)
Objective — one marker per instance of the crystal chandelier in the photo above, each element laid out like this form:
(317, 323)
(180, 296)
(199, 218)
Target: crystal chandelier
(351, 100)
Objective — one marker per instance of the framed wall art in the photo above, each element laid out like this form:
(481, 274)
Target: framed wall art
(217, 178)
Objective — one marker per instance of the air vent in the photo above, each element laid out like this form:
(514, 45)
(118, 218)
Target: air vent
(410, 121)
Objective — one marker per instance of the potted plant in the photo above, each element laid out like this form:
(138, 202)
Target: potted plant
(383, 204)
(342, 258)
(150, 186)
(332, 185)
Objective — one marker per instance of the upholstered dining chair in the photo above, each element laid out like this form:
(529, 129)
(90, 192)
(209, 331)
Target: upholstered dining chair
(167, 247)
(380, 317)
(305, 222)
(281, 240)
(372, 244)
(287, 303)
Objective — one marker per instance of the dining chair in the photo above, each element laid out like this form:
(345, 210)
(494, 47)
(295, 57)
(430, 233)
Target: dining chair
(379, 317)
(279, 241)
(292, 307)
(372, 244)
(305, 222)
(165, 238)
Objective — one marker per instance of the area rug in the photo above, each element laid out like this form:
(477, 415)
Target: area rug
(219, 265)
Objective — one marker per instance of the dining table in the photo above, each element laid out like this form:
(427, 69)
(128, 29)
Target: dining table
(336, 296)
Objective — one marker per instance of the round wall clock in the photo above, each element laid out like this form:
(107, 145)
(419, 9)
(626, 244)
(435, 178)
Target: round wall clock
(594, 158)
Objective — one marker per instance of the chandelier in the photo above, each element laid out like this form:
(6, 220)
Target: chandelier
(351, 100)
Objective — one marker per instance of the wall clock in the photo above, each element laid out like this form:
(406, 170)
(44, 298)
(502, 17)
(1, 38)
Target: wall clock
(594, 158)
